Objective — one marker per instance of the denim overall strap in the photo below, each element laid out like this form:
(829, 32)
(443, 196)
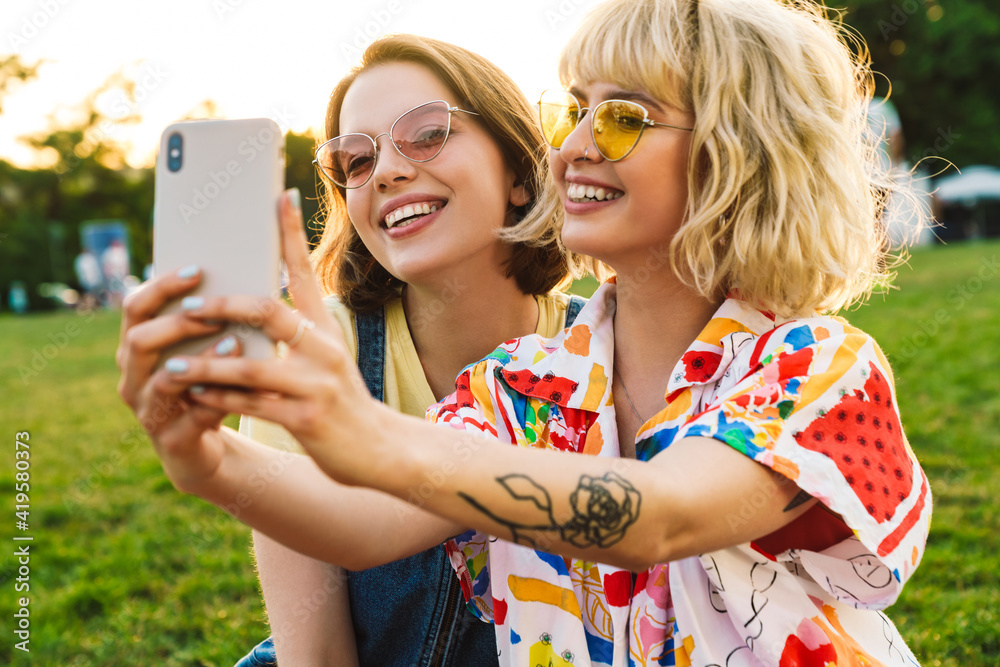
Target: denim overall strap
(370, 328)
(410, 612)
(576, 303)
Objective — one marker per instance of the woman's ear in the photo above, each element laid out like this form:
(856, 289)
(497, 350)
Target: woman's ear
(519, 195)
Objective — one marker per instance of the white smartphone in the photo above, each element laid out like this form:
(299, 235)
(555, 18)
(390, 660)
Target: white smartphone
(218, 186)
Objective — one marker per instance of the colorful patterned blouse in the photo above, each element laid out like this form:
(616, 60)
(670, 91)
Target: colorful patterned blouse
(810, 398)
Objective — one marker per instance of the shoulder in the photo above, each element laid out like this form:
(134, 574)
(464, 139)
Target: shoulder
(808, 366)
(809, 336)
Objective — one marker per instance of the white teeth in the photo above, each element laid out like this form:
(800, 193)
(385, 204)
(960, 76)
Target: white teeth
(393, 218)
(578, 192)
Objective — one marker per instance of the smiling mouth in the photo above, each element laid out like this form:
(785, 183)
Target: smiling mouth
(410, 213)
(583, 193)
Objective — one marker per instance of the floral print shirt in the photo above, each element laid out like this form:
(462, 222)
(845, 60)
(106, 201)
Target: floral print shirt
(810, 398)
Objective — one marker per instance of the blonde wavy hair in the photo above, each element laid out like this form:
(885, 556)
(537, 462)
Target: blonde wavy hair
(784, 198)
(538, 261)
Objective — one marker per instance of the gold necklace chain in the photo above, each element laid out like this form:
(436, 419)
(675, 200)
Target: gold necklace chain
(627, 397)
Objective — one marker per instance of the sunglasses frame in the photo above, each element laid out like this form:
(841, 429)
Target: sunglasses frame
(646, 122)
(374, 141)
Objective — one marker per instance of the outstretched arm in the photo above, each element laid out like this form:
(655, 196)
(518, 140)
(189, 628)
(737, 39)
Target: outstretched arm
(624, 512)
(616, 511)
(286, 497)
(684, 502)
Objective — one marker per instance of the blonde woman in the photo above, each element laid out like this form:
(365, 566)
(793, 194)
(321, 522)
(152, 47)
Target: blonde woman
(750, 497)
(437, 250)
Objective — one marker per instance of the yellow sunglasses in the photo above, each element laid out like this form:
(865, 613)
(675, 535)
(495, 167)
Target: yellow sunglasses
(615, 125)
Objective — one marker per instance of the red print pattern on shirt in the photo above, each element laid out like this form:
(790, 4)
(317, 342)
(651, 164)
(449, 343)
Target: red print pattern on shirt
(863, 436)
(699, 365)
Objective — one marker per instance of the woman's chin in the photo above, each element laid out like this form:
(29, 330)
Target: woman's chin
(590, 242)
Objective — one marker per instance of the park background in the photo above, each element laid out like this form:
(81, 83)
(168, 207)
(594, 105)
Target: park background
(124, 569)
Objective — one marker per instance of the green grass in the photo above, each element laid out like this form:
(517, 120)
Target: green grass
(941, 332)
(125, 570)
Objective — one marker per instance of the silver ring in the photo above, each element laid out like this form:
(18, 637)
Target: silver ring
(585, 151)
(304, 325)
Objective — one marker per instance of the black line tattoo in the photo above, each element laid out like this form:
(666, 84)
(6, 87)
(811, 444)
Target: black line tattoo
(799, 499)
(603, 508)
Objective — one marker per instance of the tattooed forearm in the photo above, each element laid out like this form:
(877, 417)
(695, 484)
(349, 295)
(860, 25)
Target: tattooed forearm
(799, 499)
(601, 510)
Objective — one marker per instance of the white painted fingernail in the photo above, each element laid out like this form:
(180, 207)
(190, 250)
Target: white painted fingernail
(225, 346)
(197, 389)
(294, 198)
(192, 302)
(188, 271)
(176, 365)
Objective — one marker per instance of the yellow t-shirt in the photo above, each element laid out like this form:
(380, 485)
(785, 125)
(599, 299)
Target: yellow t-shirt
(406, 387)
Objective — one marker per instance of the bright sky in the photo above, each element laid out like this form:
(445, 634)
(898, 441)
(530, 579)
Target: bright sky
(276, 58)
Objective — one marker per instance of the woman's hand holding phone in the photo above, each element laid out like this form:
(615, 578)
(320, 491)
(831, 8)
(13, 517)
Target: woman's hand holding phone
(184, 434)
(314, 390)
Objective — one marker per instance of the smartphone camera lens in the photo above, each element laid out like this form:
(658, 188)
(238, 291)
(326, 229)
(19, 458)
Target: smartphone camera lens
(175, 152)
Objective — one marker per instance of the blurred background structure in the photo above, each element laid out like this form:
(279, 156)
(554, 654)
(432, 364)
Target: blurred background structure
(936, 59)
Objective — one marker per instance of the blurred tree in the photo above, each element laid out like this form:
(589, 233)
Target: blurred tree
(942, 59)
(204, 109)
(12, 71)
(300, 173)
(88, 179)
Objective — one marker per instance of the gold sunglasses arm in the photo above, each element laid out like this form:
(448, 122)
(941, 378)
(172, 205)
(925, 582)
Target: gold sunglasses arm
(651, 123)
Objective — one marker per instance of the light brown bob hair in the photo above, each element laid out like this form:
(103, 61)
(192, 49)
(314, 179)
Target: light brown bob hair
(783, 193)
(538, 262)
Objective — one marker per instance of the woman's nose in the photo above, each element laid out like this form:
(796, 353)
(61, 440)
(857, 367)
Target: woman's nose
(390, 166)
